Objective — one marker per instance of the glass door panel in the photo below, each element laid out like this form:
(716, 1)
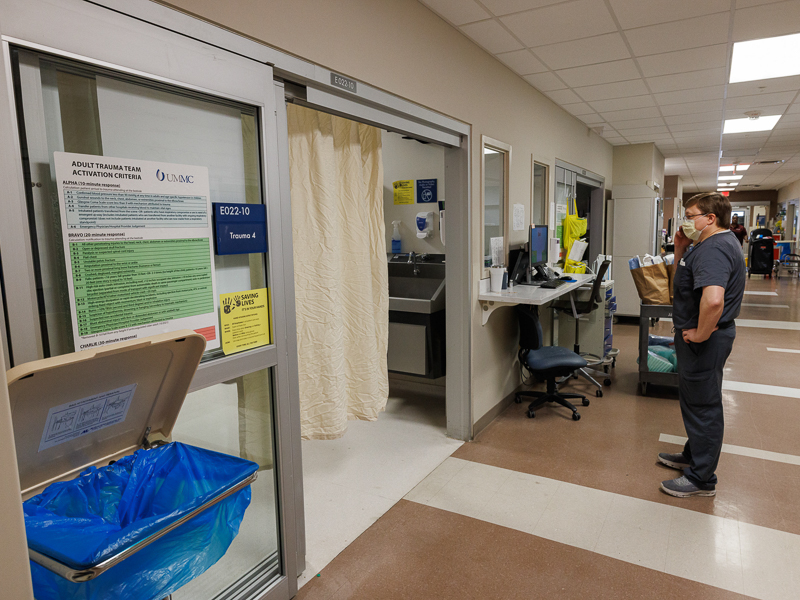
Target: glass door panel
(66, 106)
(71, 107)
(236, 417)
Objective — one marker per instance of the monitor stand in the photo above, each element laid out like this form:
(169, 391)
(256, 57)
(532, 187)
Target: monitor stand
(538, 274)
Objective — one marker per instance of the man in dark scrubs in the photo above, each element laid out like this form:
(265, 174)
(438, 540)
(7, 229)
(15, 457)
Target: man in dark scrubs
(709, 284)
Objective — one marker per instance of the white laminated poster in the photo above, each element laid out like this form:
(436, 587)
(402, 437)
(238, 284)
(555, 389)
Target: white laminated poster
(82, 417)
(519, 217)
(138, 245)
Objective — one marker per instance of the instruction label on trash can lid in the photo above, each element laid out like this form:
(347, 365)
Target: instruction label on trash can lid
(82, 417)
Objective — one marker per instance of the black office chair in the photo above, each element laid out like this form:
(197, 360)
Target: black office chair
(545, 363)
(582, 308)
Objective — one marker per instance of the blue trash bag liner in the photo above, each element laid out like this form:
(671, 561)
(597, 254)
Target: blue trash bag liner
(103, 511)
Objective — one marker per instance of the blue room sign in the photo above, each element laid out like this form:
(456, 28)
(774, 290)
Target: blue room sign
(426, 191)
(240, 228)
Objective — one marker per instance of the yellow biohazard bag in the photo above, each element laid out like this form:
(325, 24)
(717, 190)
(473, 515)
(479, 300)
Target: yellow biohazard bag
(574, 229)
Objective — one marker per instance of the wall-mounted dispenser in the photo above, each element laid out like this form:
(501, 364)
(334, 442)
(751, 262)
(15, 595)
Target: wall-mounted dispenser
(424, 224)
(441, 221)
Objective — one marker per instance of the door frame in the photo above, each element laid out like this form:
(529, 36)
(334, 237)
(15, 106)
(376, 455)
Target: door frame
(141, 50)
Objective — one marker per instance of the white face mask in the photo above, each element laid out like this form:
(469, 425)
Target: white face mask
(690, 231)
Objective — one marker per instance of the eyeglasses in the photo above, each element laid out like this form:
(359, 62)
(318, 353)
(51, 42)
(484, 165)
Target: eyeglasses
(693, 217)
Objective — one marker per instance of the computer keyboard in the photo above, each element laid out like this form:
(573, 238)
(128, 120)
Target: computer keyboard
(554, 283)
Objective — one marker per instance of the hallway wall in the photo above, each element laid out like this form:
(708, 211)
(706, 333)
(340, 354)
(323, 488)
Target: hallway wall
(406, 49)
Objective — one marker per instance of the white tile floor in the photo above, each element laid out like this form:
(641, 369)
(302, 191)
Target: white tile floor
(351, 482)
(725, 553)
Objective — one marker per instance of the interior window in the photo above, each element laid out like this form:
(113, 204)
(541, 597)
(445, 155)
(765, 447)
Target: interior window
(495, 171)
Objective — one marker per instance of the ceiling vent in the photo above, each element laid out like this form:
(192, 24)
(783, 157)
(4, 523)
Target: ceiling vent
(739, 153)
(770, 162)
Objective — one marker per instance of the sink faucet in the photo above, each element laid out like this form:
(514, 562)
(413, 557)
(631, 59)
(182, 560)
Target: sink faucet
(412, 258)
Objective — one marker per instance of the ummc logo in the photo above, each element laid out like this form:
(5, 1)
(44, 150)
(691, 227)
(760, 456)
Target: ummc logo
(171, 177)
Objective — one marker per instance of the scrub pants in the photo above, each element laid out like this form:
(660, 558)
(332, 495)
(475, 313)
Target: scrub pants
(700, 392)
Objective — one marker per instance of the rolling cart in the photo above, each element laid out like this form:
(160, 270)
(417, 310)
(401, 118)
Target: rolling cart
(112, 510)
(647, 315)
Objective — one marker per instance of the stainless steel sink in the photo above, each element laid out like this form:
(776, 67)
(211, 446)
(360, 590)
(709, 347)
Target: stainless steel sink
(423, 293)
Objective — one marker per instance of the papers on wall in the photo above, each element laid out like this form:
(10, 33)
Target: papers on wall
(519, 217)
(403, 191)
(138, 246)
(245, 320)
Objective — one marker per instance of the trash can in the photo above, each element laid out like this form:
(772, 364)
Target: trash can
(112, 510)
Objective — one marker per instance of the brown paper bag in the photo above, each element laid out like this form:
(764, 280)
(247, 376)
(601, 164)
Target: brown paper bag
(653, 284)
(671, 275)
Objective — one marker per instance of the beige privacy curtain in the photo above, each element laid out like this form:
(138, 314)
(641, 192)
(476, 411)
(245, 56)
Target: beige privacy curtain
(340, 270)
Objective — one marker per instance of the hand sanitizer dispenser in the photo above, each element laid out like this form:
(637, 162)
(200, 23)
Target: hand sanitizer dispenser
(424, 223)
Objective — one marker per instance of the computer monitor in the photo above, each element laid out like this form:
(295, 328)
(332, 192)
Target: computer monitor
(538, 245)
(539, 241)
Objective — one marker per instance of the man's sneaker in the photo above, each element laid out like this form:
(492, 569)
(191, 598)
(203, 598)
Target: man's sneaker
(676, 461)
(683, 488)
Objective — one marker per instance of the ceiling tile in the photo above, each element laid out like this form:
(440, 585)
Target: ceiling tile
(687, 81)
(504, 7)
(545, 82)
(682, 61)
(679, 35)
(620, 70)
(790, 118)
(522, 62)
(585, 51)
(624, 103)
(764, 86)
(769, 20)
(563, 96)
(793, 109)
(631, 113)
(458, 12)
(652, 122)
(747, 3)
(561, 22)
(761, 100)
(606, 91)
(643, 131)
(738, 113)
(680, 127)
(616, 141)
(650, 137)
(593, 120)
(578, 109)
(639, 13)
(694, 95)
(704, 131)
(491, 35)
(694, 118)
(689, 108)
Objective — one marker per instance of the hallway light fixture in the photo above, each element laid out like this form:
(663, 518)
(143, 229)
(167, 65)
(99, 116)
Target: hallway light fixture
(729, 177)
(752, 123)
(727, 168)
(742, 168)
(766, 58)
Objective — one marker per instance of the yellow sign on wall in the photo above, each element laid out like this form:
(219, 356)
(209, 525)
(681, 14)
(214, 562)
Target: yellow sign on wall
(403, 191)
(244, 318)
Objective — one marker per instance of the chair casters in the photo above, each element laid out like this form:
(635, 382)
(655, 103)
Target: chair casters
(606, 382)
(576, 416)
(598, 393)
(531, 414)
(585, 402)
(517, 399)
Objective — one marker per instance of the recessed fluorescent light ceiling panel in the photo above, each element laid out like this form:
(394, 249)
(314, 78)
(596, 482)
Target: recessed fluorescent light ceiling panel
(742, 168)
(747, 124)
(724, 189)
(729, 178)
(766, 59)
(727, 168)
